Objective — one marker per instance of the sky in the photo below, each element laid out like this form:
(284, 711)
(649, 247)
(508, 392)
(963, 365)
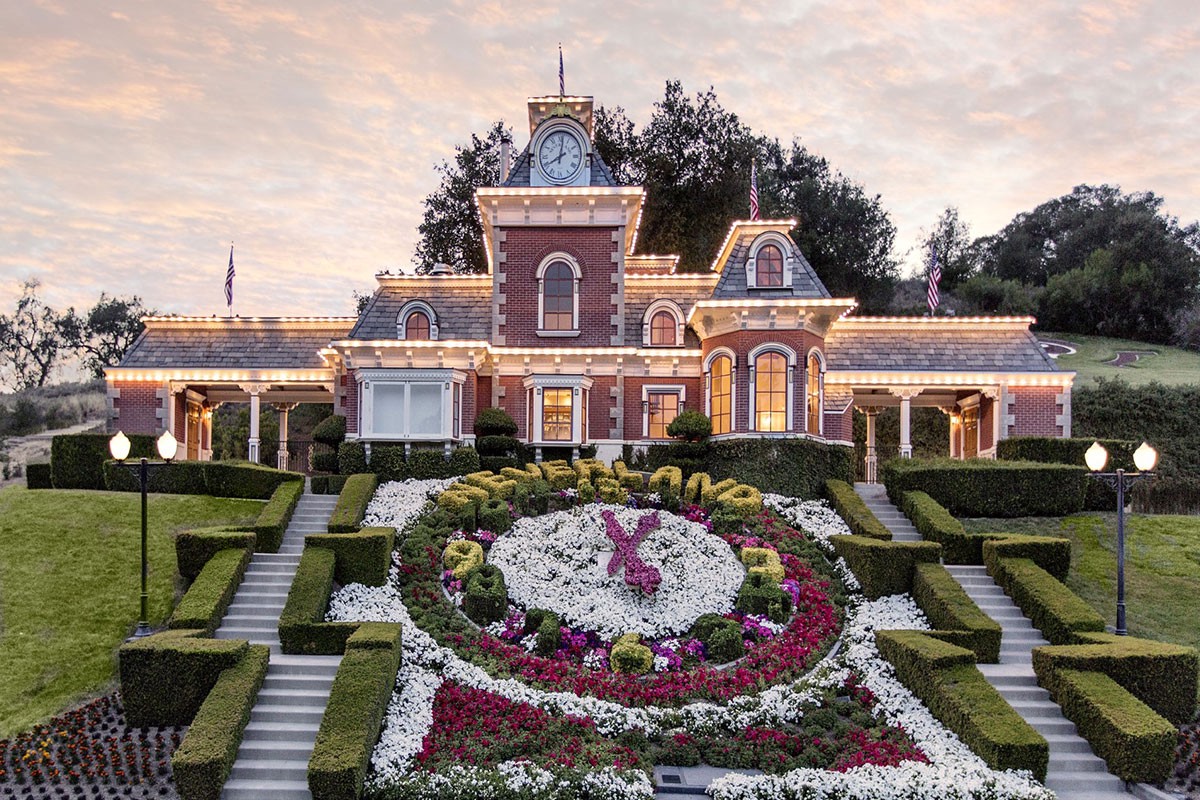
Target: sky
(139, 138)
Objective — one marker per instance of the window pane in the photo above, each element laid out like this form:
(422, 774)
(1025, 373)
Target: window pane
(556, 415)
(770, 392)
(417, 326)
(426, 409)
(769, 266)
(720, 394)
(388, 402)
(558, 298)
(662, 410)
(662, 329)
(814, 395)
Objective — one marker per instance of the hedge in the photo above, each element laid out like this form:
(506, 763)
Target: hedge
(1137, 744)
(181, 477)
(792, 467)
(1048, 552)
(77, 459)
(360, 557)
(1053, 450)
(302, 629)
(37, 476)
(273, 520)
(884, 568)
(352, 503)
(351, 458)
(330, 431)
(244, 479)
(165, 677)
(353, 717)
(986, 488)
(1161, 675)
(205, 757)
(953, 614)
(194, 548)
(327, 484)
(945, 678)
(210, 594)
(241, 479)
(853, 509)
(1052, 608)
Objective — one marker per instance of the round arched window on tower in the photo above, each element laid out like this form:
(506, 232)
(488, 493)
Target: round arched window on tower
(663, 329)
(769, 266)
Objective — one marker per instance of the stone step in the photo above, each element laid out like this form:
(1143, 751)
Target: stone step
(256, 608)
(304, 665)
(1049, 727)
(317, 696)
(244, 789)
(1071, 784)
(1075, 762)
(287, 714)
(258, 731)
(297, 683)
(265, 618)
(1011, 693)
(264, 592)
(248, 631)
(265, 749)
(268, 578)
(1034, 708)
(270, 769)
(1067, 743)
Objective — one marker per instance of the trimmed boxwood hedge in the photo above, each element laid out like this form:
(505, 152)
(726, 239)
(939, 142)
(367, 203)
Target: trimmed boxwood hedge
(352, 458)
(353, 717)
(273, 520)
(165, 677)
(853, 509)
(244, 479)
(327, 484)
(792, 467)
(953, 614)
(1050, 553)
(945, 678)
(210, 594)
(240, 479)
(77, 459)
(983, 487)
(1052, 608)
(1052, 450)
(180, 477)
(37, 476)
(360, 557)
(205, 757)
(884, 568)
(302, 630)
(352, 503)
(194, 548)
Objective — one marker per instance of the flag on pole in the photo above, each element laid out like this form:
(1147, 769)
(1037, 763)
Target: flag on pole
(753, 192)
(562, 86)
(229, 273)
(935, 278)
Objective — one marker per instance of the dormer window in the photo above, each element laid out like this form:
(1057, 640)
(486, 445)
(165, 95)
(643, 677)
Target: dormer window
(770, 263)
(769, 266)
(416, 322)
(662, 325)
(417, 326)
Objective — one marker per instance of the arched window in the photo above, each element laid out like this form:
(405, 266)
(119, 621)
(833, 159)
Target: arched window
(720, 394)
(416, 326)
(558, 296)
(769, 266)
(662, 329)
(770, 392)
(814, 394)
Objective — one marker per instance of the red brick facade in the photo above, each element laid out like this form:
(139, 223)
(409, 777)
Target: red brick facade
(136, 406)
(1034, 409)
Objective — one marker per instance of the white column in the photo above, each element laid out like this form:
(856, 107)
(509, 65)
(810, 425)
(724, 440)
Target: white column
(281, 459)
(872, 460)
(254, 390)
(906, 427)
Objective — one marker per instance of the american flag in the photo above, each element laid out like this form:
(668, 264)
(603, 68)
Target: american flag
(753, 192)
(562, 85)
(935, 277)
(229, 273)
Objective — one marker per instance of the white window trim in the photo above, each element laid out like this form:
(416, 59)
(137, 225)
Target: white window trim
(733, 362)
(407, 309)
(659, 388)
(820, 392)
(789, 412)
(786, 247)
(579, 384)
(541, 293)
(366, 378)
(672, 308)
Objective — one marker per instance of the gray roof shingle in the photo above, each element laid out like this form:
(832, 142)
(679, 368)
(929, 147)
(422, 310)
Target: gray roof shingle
(936, 348)
(805, 282)
(232, 344)
(519, 174)
(639, 296)
(464, 312)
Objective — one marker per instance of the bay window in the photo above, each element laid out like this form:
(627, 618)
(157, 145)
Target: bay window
(414, 404)
(771, 369)
(557, 408)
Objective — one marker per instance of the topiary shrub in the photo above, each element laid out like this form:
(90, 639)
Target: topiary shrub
(352, 458)
(330, 431)
(462, 557)
(1055, 610)
(486, 596)
(463, 460)
(37, 476)
(627, 479)
(548, 628)
(532, 498)
(987, 488)
(953, 614)
(427, 464)
(363, 556)
(745, 500)
(721, 637)
(559, 475)
(853, 509)
(352, 503)
(691, 426)
(761, 595)
(206, 600)
(325, 462)
(244, 479)
(387, 461)
(302, 629)
(884, 568)
(494, 516)
(194, 548)
(494, 422)
(630, 655)
(764, 560)
(165, 677)
(668, 482)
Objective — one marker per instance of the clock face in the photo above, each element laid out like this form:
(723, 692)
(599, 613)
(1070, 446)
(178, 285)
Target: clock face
(560, 156)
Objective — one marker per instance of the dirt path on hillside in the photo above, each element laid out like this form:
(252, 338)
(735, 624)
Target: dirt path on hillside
(35, 447)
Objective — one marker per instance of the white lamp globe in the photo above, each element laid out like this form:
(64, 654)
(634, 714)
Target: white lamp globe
(118, 445)
(1145, 457)
(1096, 457)
(167, 445)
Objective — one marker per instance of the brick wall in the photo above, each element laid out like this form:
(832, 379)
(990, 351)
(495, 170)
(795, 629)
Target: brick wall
(483, 397)
(600, 406)
(514, 402)
(1034, 409)
(525, 248)
(470, 403)
(840, 427)
(180, 431)
(136, 407)
(741, 343)
(350, 401)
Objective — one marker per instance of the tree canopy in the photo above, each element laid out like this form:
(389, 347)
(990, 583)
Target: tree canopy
(102, 334)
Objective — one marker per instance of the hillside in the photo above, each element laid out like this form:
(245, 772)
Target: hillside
(1154, 362)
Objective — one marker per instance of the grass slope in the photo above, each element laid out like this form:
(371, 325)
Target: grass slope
(69, 584)
(1162, 567)
(1172, 365)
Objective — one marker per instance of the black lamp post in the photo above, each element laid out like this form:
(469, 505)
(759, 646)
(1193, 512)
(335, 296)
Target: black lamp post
(118, 445)
(1144, 458)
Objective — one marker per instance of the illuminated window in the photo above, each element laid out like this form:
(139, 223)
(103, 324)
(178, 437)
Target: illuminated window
(720, 394)
(770, 392)
(814, 393)
(663, 329)
(558, 297)
(769, 266)
(661, 410)
(556, 415)
(417, 326)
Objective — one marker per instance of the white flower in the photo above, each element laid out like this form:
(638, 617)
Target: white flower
(398, 503)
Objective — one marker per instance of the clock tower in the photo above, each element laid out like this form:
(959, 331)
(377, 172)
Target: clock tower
(560, 148)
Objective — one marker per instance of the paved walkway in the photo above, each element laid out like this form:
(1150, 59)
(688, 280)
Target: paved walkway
(273, 759)
(1075, 772)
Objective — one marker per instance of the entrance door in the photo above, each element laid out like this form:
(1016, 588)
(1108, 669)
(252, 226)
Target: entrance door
(970, 423)
(193, 431)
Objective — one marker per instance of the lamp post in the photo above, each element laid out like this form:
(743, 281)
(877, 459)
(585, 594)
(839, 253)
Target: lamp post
(118, 445)
(1144, 458)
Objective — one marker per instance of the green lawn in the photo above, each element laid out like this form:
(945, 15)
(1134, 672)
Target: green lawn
(1172, 365)
(1162, 567)
(69, 584)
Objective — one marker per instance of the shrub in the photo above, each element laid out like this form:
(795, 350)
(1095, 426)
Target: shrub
(668, 482)
(548, 628)
(745, 500)
(530, 498)
(244, 479)
(330, 431)
(691, 426)
(884, 568)
(202, 763)
(791, 467)
(77, 459)
(559, 475)
(949, 608)
(494, 516)
(1053, 450)
(592, 469)
(427, 464)
(627, 479)
(325, 462)
(945, 678)
(165, 677)
(494, 422)
(460, 501)
(937, 524)
(853, 509)
(611, 491)
(181, 477)
(463, 460)
(1050, 553)
(764, 560)
(328, 484)
(274, 518)
(493, 446)
(486, 597)
(352, 458)
(1052, 608)
(360, 557)
(194, 548)
(721, 637)
(210, 594)
(354, 715)
(629, 655)
(497, 487)
(37, 476)
(301, 629)
(709, 492)
(761, 595)
(986, 488)
(352, 503)
(387, 461)
(462, 557)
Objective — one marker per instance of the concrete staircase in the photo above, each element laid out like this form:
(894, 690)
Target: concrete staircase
(875, 496)
(272, 761)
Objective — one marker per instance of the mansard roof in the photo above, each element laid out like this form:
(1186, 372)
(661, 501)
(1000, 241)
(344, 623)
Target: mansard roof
(519, 175)
(731, 263)
(684, 291)
(249, 343)
(462, 304)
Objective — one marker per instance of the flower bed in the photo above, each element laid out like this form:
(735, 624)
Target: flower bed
(872, 738)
